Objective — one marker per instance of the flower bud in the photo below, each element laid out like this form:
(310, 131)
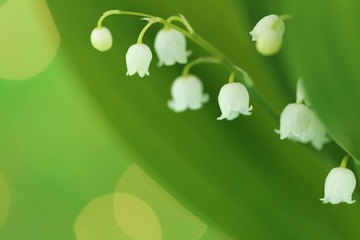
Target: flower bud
(187, 92)
(268, 34)
(101, 39)
(138, 59)
(233, 101)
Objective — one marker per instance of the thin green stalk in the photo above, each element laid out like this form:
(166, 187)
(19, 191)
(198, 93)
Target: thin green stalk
(344, 161)
(197, 61)
(147, 26)
(119, 12)
(280, 19)
(232, 77)
(182, 20)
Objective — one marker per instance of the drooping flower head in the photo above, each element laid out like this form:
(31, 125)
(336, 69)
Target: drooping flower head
(294, 120)
(101, 39)
(138, 59)
(170, 47)
(340, 183)
(187, 92)
(316, 134)
(233, 101)
(268, 33)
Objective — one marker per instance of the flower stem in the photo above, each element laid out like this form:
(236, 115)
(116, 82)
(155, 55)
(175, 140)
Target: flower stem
(280, 19)
(344, 161)
(224, 60)
(182, 20)
(199, 61)
(232, 77)
(119, 12)
(147, 26)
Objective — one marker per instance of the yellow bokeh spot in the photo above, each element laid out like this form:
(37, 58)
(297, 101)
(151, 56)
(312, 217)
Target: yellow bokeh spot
(117, 216)
(136, 218)
(177, 222)
(29, 38)
(4, 200)
(97, 221)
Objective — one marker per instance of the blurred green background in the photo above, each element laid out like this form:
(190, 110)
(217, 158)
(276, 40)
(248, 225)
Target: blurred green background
(80, 141)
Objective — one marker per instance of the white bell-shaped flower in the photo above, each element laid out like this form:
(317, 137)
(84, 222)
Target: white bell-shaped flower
(138, 59)
(170, 47)
(187, 92)
(340, 183)
(268, 33)
(316, 134)
(294, 120)
(101, 39)
(233, 101)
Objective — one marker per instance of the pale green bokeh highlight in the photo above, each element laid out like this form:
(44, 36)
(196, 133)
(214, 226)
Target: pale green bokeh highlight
(29, 38)
(97, 221)
(136, 218)
(176, 221)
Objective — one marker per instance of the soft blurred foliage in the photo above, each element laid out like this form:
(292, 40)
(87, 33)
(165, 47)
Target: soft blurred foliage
(80, 141)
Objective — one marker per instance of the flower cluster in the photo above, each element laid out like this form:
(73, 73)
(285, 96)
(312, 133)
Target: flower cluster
(299, 123)
(187, 90)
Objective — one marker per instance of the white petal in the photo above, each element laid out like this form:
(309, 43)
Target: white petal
(224, 102)
(232, 115)
(317, 133)
(295, 119)
(286, 121)
(269, 42)
(266, 23)
(138, 59)
(170, 47)
(101, 39)
(177, 106)
(339, 186)
(301, 120)
(187, 92)
(233, 97)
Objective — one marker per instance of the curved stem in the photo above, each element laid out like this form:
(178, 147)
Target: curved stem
(280, 19)
(199, 61)
(119, 12)
(143, 31)
(232, 77)
(182, 20)
(344, 161)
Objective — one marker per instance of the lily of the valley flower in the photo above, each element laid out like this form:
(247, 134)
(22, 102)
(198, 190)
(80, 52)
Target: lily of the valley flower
(340, 183)
(268, 34)
(138, 59)
(101, 39)
(170, 47)
(316, 134)
(187, 92)
(294, 120)
(233, 101)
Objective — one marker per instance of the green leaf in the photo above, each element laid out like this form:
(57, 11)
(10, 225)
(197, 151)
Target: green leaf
(328, 39)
